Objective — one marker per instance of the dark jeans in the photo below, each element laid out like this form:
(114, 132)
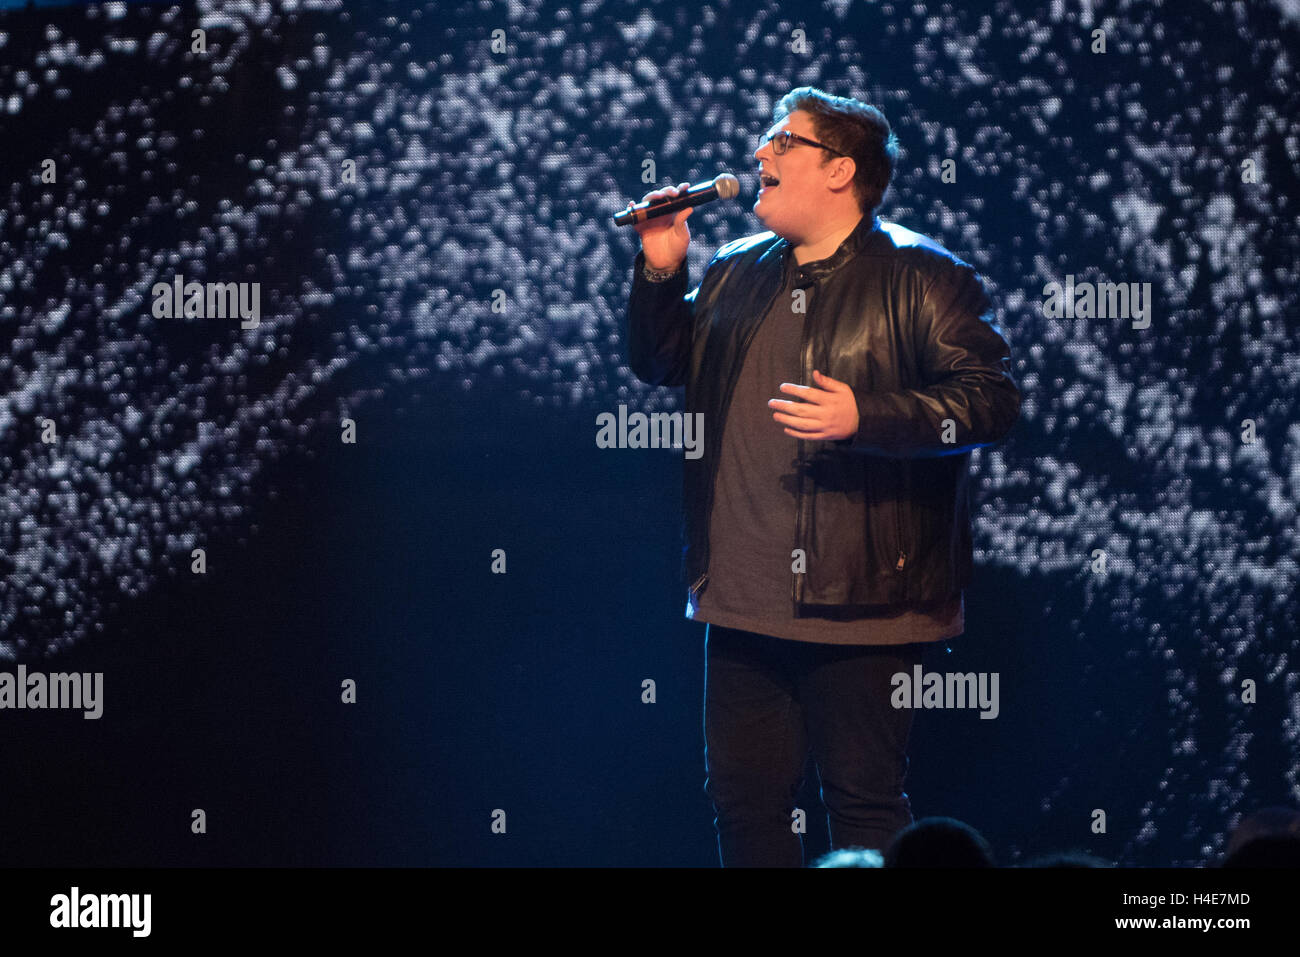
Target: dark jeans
(766, 700)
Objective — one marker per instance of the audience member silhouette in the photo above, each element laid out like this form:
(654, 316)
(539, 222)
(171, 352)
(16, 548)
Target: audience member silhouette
(851, 857)
(939, 842)
(1269, 837)
(1067, 859)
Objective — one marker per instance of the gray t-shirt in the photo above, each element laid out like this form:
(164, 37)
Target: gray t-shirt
(752, 527)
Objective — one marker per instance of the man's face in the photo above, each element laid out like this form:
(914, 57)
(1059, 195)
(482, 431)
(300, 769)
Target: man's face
(793, 206)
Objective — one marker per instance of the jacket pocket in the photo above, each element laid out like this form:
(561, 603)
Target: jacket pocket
(884, 528)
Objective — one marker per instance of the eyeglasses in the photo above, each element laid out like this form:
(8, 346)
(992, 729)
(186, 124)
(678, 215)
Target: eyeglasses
(781, 142)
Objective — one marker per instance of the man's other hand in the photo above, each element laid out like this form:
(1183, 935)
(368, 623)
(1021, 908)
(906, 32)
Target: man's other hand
(826, 411)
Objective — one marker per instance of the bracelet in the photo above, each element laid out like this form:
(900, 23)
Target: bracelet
(660, 275)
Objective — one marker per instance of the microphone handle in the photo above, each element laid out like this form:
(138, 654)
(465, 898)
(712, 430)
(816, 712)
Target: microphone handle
(666, 206)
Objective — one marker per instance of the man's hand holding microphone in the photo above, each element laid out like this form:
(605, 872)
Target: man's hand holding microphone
(665, 239)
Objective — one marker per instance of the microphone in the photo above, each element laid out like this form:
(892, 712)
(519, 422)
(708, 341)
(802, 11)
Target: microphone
(722, 186)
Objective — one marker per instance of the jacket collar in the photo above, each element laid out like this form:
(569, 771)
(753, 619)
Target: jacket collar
(863, 234)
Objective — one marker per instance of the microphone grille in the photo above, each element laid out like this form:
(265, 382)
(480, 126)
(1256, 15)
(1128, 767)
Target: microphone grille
(727, 185)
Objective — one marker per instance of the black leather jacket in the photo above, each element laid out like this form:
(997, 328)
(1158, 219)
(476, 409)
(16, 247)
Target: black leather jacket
(884, 515)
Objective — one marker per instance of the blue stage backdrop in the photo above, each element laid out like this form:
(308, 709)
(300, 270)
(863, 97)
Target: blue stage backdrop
(273, 528)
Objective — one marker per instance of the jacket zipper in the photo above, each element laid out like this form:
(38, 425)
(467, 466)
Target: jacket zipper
(726, 404)
(805, 360)
(898, 517)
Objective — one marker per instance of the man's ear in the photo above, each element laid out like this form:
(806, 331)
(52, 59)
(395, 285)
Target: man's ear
(849, 168)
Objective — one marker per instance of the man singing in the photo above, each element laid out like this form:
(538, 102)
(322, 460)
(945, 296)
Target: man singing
(845, 367)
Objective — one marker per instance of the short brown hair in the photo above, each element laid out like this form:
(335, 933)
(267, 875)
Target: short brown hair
(856, 130)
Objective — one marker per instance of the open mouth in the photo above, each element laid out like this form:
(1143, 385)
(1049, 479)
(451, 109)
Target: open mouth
(767, 181)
